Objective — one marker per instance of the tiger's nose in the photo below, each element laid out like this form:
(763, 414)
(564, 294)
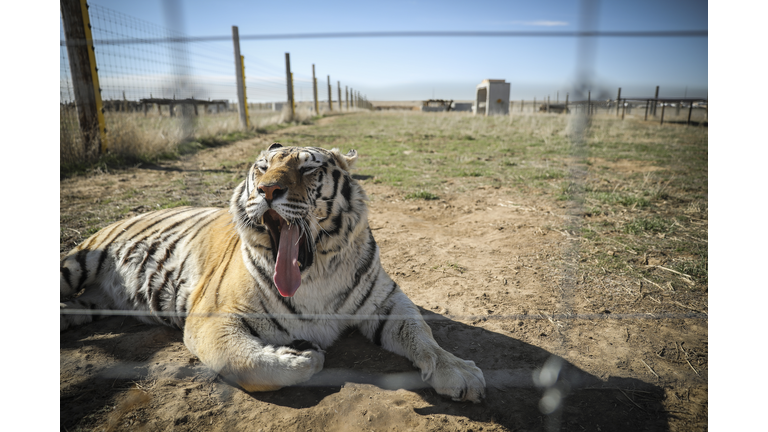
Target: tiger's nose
(270, 192)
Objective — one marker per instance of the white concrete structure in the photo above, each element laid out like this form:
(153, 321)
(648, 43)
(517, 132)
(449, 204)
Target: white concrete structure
(492, 97)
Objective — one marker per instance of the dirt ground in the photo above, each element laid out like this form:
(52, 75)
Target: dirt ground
(495, 273)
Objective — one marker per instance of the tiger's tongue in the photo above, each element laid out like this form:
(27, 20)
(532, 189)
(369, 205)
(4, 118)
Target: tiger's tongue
(287, 275)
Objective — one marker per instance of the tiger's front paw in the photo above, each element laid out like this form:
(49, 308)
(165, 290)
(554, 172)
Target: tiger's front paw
(458, 379)
(283, 367)
(302, 359)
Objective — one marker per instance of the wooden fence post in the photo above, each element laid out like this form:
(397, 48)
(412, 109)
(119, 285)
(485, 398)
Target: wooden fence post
(314, 90)
(338, 87)
(346, 95)
(245, 96)
(239, 76)
(547, 104)
(623, 108)
(618, 100)
(589, 103)
(566, 103)
(293, 100)
(662, 113)
(690, 110)
(330, 96)
(289, 83)
(656, 101)
(85, 79)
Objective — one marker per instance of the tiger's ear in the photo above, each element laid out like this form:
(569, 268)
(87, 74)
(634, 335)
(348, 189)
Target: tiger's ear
(345, 161)
(274, 146)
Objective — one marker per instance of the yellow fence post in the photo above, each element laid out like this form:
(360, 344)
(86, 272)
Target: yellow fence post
(293, 101)
(245, 96)
(94, 77)
(85, 81)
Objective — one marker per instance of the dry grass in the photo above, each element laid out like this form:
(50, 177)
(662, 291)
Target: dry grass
(135, 137)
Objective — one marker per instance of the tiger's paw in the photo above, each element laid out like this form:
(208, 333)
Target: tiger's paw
(291, 365)
(458, 379)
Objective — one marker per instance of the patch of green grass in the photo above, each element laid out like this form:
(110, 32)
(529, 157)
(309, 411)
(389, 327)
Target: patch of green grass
(424, 195)
(655, 224)
(464, 173)
(548, 174)
(177, 203)
(698, 269)
(627, 200)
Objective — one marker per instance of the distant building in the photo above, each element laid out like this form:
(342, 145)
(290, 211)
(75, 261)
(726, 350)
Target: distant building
(492, 97)
(436, 105)
(462, 106)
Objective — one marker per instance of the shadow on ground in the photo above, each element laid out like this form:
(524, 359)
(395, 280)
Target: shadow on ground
(527, 387)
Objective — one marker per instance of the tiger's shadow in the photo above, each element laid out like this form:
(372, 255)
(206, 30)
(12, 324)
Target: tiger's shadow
(514, 398)
(518, 393)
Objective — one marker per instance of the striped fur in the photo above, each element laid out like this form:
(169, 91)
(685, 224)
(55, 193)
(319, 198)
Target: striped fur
(211, 272)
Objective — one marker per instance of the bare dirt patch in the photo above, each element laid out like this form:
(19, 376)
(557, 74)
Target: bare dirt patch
(492, 270)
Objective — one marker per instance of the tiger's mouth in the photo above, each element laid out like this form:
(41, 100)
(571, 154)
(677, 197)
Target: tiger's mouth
(290, 251)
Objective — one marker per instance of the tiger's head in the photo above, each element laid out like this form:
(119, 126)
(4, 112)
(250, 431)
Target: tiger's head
(296, 195)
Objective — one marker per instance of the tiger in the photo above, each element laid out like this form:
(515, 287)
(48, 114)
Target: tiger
(262, 289)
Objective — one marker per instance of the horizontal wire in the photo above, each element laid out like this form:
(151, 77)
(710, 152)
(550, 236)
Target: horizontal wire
(346, 317)
(389, 34)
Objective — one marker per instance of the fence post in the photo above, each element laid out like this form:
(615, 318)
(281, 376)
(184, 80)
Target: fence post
(245, 96)
(330, 95)
(338, 87)
(293, 99)
(589, 103)
(662, 114)
(240, 80)
(346, 95)
(289, 81)
(566, 103)
(85, 79)
(314, 89)
(547, 104)
(618, 100)
(690, 110)
(623, 108)
(656, 101)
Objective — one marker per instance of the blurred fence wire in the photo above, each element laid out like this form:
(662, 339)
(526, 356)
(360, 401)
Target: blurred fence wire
(146, 71)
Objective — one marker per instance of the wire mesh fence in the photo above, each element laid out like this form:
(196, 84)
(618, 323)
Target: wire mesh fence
(160, 93)
(140, 82)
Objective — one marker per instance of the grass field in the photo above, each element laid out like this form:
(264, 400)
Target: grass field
(644, 197)
(518, 244)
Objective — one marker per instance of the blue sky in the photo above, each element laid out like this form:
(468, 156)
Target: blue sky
(449, 68)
